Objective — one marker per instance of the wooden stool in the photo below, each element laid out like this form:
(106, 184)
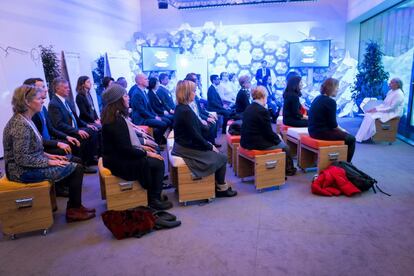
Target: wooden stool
(320, 152)
(293, 138)
(233, 142)
(190, 187)
(119, 193)
(25, 207)
(267, 166)
(386, 132)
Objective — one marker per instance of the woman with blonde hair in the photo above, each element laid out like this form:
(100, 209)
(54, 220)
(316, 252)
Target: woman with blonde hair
(322, 117)
(257, 132)
(200, 155)
(25, 160)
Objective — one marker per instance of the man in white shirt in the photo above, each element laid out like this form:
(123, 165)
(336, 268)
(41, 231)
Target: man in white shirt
(226, 89)
(392, 107)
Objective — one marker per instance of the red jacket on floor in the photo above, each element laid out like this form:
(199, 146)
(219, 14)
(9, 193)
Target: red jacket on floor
(333, 182)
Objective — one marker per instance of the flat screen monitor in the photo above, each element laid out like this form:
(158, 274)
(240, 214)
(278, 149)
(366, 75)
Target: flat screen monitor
(159, 58)
(310, 54)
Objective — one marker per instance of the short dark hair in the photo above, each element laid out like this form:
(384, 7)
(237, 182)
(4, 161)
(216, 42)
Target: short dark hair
(152, 82)
(32, 81)
(162, 76)
(191, 77)
(264, 61)
(106, 80)
(222, 74)
(57, 81)
(213, 77)
(120, 79)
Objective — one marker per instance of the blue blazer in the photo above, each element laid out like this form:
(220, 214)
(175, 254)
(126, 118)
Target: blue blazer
(61, 118)
(214, 100)
(165, 96)
(141, 108)
(156, 103)
(260, 77)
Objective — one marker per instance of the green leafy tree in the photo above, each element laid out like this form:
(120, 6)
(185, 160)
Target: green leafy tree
(51, 65)
(371, 78)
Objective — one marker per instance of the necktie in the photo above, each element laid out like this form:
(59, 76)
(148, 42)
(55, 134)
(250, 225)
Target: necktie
(74, 123)
(45, 131)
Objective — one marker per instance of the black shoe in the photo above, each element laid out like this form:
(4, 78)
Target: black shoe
(62, 191)
(166, 186)
(165, 224)
(89, 170)
(160, 205)
(291, 172)
(217, 145)
(93, 162)
(166, 177)
(228, 193)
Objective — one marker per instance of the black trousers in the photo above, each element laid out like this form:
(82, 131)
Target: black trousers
(88, 147)
(295, 122)
(220, 175)
(74, 182)
(156, 176)
(226, 116)
(159, 128)
(337, 134)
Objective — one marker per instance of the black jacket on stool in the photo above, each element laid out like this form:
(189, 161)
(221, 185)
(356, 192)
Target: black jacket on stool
(256, 129)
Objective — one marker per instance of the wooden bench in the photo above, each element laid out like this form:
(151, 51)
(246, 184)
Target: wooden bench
(189, 187)
(26, 207)
(293, 138)
(267, 167)
(320, 153)
(233, 142)
(119, 193)
(386, 132)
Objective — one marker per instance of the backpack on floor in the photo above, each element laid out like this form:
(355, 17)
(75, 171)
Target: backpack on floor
(360, 179)
(129, 223)
(235, 128)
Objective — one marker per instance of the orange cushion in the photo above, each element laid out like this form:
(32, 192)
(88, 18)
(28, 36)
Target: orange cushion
(231, 139)
(7, 185)
(102, 170)
(284, 127)
(315, 143)
(253, 153)
(145, 128)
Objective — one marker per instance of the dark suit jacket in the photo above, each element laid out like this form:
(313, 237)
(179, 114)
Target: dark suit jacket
(53, 132)
(260, 77)
(156, 103)
(61, 119)
(141, 108)
(242, 100)
(166, 98)
(87, 112)
(291, 109)
(214, 100)
(256, 129)
(124, 160)
(201, 110)
(188, 129)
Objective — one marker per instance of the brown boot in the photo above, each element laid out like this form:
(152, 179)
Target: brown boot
(77, 214)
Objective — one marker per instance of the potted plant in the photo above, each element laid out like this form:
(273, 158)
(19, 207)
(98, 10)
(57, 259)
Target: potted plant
(51, 65)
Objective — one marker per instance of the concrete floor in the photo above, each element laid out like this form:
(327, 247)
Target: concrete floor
(278, 232)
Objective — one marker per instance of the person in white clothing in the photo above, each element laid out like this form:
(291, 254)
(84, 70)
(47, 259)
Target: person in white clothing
(226, 89)
(392, 107)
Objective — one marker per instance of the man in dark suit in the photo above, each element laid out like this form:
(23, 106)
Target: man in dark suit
(164, 94)
(64, 118)
(262, 73)
(215, 103)
(142, 113)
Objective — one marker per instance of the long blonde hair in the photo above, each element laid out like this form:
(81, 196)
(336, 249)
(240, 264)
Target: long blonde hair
(184, 90)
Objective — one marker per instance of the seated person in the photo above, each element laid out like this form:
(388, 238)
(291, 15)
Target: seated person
(164, 94)
(106, 82)
(392, 107)
(123, 153)
(262, 74)
(226, 89)
(243, 97)
(25, 160)
(54, 141)
(272, 105)
(322, 117)
(292, 115)
(142, 113)
(215, 103)
(200, 156)
(257, 132)
(84, 101)
(64, 118)
(156, 104)
(208, 120)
